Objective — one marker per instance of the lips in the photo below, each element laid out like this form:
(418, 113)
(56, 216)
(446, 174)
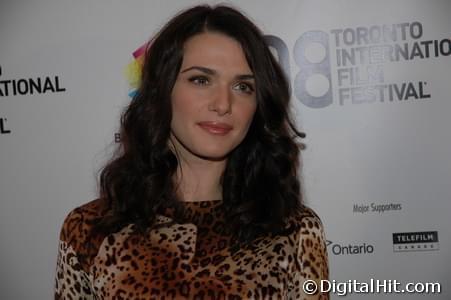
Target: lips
(216, 127)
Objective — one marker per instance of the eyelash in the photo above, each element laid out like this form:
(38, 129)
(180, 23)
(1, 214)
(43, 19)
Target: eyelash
(249, 88)
(195, 79)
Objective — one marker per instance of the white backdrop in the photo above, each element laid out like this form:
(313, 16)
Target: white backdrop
(372, 168)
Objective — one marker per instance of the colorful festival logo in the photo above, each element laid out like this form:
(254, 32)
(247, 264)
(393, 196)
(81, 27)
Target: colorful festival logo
(133, 70)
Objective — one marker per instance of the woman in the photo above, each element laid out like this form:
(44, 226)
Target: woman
(203, 200)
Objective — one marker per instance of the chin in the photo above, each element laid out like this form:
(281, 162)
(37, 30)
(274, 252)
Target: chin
(213, 155)
(214, 152)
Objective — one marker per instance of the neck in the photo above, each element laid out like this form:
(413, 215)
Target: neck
(198, 179)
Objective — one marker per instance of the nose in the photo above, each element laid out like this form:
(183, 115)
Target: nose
(221, 101)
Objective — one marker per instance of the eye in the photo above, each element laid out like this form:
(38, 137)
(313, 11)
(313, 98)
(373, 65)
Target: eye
(199, 80)
(245, 87)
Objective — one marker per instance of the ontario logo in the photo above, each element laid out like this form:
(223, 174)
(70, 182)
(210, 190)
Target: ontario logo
(349, 249)
(133, 70)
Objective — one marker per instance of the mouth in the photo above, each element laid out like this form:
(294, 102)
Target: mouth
(216, 128)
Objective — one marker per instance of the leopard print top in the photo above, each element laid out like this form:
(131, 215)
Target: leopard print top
(187, 261)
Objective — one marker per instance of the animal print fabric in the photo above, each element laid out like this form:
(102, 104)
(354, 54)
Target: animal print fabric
(192, 260)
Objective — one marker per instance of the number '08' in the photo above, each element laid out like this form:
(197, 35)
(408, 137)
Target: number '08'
(306, 68)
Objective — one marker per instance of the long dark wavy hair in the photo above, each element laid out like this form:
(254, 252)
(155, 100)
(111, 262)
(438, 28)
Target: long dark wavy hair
(261, 186)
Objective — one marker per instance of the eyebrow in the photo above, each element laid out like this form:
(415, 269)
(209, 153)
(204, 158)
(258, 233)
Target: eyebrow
(213, 72)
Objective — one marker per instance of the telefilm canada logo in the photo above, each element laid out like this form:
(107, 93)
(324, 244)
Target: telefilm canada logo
(415, 241)
(347, 65)
(350, 248)
(29, 86)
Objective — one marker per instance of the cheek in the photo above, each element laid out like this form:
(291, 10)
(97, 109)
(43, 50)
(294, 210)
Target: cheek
(186, 111)
(248, 113)
(187, 115)
(183, 106)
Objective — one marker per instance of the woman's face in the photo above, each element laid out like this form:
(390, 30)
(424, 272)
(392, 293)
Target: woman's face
(213, 99)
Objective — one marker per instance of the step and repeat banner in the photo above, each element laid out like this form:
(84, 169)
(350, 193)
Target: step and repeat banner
(370, 87)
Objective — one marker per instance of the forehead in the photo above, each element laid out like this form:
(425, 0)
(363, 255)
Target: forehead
(211, 48)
